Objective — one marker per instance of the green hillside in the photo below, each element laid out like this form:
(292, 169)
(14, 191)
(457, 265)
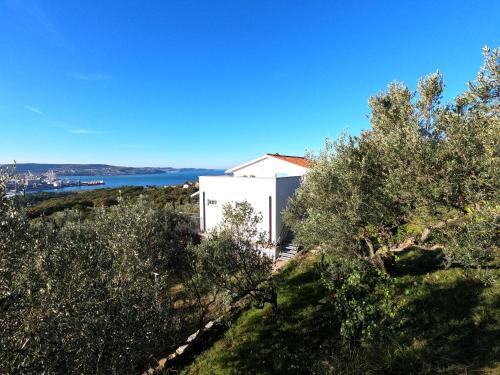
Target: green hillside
(449, 325)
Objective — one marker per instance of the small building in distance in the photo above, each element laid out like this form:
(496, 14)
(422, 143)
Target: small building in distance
(266, 183)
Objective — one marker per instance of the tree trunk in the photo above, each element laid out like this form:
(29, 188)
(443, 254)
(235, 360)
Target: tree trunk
(379, 262)
(375, 257)
(273, 300)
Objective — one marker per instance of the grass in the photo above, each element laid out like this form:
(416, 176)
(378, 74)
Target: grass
(258, 343)
(451, 325)
(453, 322)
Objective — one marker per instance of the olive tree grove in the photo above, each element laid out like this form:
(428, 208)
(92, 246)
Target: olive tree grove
(88, 296)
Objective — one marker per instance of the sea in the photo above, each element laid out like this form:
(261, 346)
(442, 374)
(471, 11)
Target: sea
(159, 179)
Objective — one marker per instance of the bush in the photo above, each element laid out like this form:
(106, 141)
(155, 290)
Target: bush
(474, 243)
(88, 296)
(229, 265)
(363, 299)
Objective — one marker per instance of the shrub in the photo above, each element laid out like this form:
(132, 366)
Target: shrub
(363, 299)
(88, 296)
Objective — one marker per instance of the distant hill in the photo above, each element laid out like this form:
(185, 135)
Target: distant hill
(92, 169)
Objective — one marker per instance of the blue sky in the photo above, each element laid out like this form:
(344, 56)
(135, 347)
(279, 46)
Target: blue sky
(214, 83)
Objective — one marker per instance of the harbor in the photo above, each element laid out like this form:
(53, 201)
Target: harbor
(49, 181)
(27, 183)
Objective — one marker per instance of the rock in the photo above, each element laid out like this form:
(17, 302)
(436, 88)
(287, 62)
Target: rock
(162, 362)
(171, 356)
(193, 336)
(181, 349)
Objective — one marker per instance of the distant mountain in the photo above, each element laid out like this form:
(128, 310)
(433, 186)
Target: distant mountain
(92, 169)
(170, 169)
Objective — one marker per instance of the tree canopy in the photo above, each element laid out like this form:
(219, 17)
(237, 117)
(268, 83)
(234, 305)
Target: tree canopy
(88, 296)
(229, 261)
(424, 174)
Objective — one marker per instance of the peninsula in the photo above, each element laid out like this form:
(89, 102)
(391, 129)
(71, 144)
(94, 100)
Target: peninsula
(91, 169)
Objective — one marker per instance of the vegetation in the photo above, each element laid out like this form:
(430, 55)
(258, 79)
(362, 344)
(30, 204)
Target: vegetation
(401, 225)
(405, 220)
(425, 176)
(228, 265)
(46, 204)
(109, 291)
(80, 296)
(447, 324)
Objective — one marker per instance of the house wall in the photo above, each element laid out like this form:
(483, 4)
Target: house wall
(271, 167)
(285, 188)
(225, 189)
(256, 191)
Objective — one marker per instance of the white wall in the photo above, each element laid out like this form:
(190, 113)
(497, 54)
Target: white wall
(224, 189)
(256, 191)
(271, 167)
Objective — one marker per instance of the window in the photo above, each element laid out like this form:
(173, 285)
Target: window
(212, 202)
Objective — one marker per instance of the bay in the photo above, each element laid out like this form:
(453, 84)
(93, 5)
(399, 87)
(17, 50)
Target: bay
(160, 179)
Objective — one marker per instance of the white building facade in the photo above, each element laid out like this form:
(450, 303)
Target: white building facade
(266, 183)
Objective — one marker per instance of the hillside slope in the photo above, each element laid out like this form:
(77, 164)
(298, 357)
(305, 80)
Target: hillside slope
(451, 325)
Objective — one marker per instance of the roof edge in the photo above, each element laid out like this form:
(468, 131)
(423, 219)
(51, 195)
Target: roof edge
(276, 156)
(300, 161)
(233, 169)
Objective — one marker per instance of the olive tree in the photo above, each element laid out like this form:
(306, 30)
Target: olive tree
(14, 238)
(89, 296)
(229, 262)
(415, 174)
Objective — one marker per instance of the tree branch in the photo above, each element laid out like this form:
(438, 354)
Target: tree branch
(405, 245)
(412, 243)
(429, 248)
(371, 248)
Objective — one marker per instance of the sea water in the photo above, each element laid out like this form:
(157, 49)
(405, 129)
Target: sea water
(160, 179)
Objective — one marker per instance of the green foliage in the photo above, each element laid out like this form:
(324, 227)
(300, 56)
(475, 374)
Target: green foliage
(423, 183)
(259, 342)
(14, 238)
(363, 299)
(485, 91)
(425, 177)
(445, 325)
(46, 204)
(407, 230)
(395, 186)
(475, 243)
(89, 296)
(229, 259)
(92, 293)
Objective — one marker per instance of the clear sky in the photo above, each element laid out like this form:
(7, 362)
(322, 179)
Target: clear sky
(213, 83)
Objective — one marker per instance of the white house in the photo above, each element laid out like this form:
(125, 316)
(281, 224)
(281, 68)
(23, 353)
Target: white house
(266, 183)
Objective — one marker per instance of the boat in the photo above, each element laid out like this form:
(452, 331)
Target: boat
(92, 183)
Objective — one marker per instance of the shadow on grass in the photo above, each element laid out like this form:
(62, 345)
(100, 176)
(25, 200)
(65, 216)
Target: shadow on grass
(450, 326)
(449, 330)
(260, 343)
(417, 263)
